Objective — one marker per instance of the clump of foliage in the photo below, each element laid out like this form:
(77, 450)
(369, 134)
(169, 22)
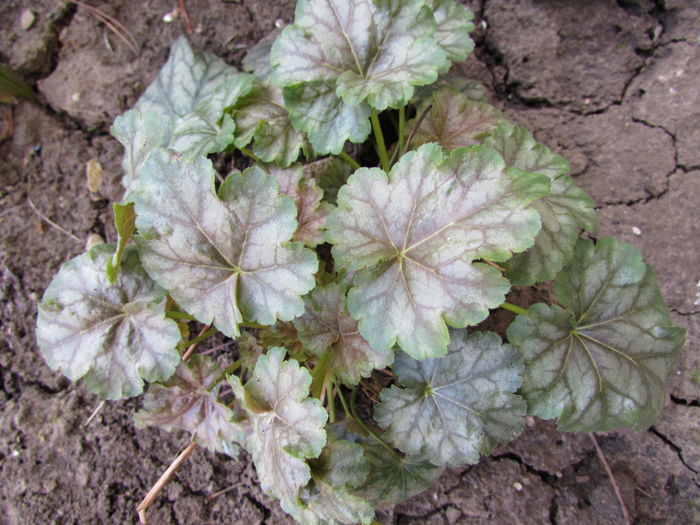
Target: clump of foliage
(325, 271)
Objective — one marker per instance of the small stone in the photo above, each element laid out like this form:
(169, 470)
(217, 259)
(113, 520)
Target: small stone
(27, 19)
(93, 173)
(636, 231)
(518, 486)
(171, 16)
(93, 240)
(279, 23)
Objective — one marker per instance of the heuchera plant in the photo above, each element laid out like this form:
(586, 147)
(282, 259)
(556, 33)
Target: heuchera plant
(325, 271)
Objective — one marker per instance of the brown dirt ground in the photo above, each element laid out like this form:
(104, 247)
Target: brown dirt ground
(613, 86)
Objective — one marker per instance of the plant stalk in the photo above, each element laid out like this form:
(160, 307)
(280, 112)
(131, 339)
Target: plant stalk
(402, 126)
(363, 425)
(347, 158)
(514, 308)
(381, 145)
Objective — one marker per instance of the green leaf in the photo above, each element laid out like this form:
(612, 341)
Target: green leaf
(454, 23)
(311, 212)
(602, 363)
(392, 479)
(328, 121)
(471, 89)
(189, 401)
(454, 120)
(222, 258)
(125, 223)
(335, 176)
(566, 209)
(340, 468)
(112, 335)
(327, 327)
(414, 235)
(458, 407)
(371, 51)
(257, 59)
(262, 117)
(287, 425)
(182, 109)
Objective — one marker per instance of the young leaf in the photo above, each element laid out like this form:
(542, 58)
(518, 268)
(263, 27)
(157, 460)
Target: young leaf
(340, 468)
(335, 176)
(602, 363)
(315, 109)
(566, 209)
(392, 479)
(189, 401)
(371, 51)
(262, 117)
(125, 223)
(112, 335)
(454, 120)
(414, 235)
(458, 407)
(327, 327)
(287, 425)
(222, 258)
(311, 212)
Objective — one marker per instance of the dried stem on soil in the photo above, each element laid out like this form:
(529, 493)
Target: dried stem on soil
(604, 461)
(50, 222)
(188, 353)
(112, 23)
(155, 490)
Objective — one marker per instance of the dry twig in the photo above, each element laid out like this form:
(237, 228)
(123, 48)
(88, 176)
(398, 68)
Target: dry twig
(613, 481)
(51, 223)
(113, 24)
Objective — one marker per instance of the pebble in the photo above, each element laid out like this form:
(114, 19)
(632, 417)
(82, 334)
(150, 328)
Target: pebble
(518, 486)
(27, 19)
(636, 231)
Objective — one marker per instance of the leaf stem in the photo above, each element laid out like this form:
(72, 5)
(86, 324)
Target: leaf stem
(347, 158)
(331, 399)
(250, 325)
(363, 425)
(514, 308)
(250, 154)
(201, 337)
(379, 137)
(402, 126)
(230, 370)
(172, 314)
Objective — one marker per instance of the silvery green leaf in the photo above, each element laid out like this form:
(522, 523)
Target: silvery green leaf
(311, 212)
(125, 224)
(414, 234)
(454, 23)
(453, 409)
(340, 468)
(112, 335)
(471, 89)
(257, 59)
(326, 326)
(182, 109)
(602, 363)
(454, 120)
(328, 121)
(373, 51)
(392, 478)
(287, 425)
(566, 209)
(223, 258)
(189, 401)
(262, 118)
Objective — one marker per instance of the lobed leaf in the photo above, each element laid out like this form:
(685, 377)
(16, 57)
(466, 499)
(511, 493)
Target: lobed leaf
(287, 425)
(261, 117)
(328, 499)
(413, 236)
(326, 326)
(454, 23)
(564, 211)
(223, 258)
(392, 478)
(189, 401)
(257, 59)
(602, 363)
(182, 109)
(454, 120)
(112, 335)
(311, 212)
(458, 407)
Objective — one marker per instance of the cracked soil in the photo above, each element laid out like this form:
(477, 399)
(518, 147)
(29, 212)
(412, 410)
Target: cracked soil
(614, 86)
